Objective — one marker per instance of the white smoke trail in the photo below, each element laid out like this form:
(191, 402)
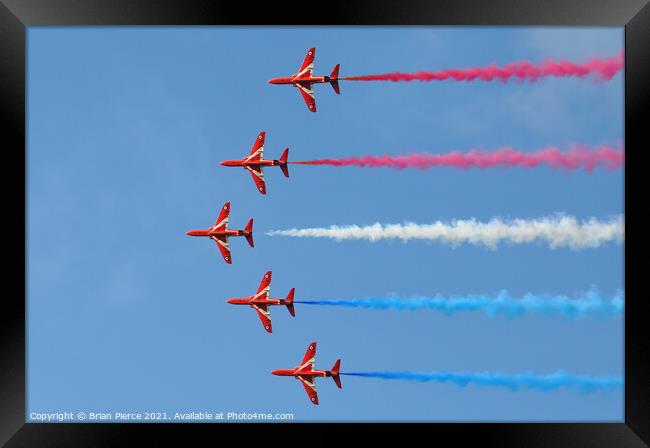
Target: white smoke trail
(557, 231)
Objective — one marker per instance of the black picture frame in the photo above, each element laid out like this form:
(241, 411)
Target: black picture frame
(17, 15)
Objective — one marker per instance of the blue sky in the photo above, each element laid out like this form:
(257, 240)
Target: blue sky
(126, 127)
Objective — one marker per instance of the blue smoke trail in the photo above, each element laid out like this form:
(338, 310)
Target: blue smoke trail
(503, 303)
(559, 379)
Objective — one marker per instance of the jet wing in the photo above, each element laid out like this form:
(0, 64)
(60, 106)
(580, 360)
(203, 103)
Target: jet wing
(222, 220)
(307, 94)
(257, 152)
(307, 363)
(309, 383)
(264, 315)
(258, 177)
(265, 285)
(224, 247)
(307, 64)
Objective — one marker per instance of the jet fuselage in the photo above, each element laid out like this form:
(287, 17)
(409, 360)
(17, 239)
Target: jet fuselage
(243, 163)
(294, 80)
(210, 233)
(296, 372)
(251, 300)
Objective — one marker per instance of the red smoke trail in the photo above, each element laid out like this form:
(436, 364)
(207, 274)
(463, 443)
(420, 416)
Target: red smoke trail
(600, 69)
(578, 156)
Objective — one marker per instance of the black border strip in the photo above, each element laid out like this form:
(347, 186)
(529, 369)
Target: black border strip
(16, 15)
(330, 12)
(12, 313)
(637, 336)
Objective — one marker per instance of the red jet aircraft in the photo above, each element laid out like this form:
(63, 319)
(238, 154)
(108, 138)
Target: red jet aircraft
(220, 233)
(255, 162)
(306, 373)
(261, 302)
(304, 79)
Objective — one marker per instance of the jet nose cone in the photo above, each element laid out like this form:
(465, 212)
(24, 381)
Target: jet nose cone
(230, 301)
(189, 232)
(275, 372)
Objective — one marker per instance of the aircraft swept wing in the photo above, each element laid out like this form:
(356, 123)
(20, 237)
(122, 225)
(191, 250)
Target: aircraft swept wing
(309, 384)
(256, 154)
(222, 221)
(307, 94)
(265, 286)
(264, 315)
(224, 247)
(307, 66)
(257, 151)
(307, 365)
(258, 177)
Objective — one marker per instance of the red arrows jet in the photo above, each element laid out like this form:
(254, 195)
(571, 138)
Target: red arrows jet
(304, 79)
(255, 162)
(306, 373)
(261, 302)
(220, 233)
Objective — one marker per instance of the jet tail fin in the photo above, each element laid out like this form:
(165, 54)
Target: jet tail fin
(284, 159)
(289, 302)
(249, 233)
(334, 79)
(335, 73)
(336, 373)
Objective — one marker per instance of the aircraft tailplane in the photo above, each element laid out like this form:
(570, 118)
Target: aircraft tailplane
(335, 86)
(289, 302)
(284, 159)
(248, 231)
(335, 73)
(334, 79)
(336, 373)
